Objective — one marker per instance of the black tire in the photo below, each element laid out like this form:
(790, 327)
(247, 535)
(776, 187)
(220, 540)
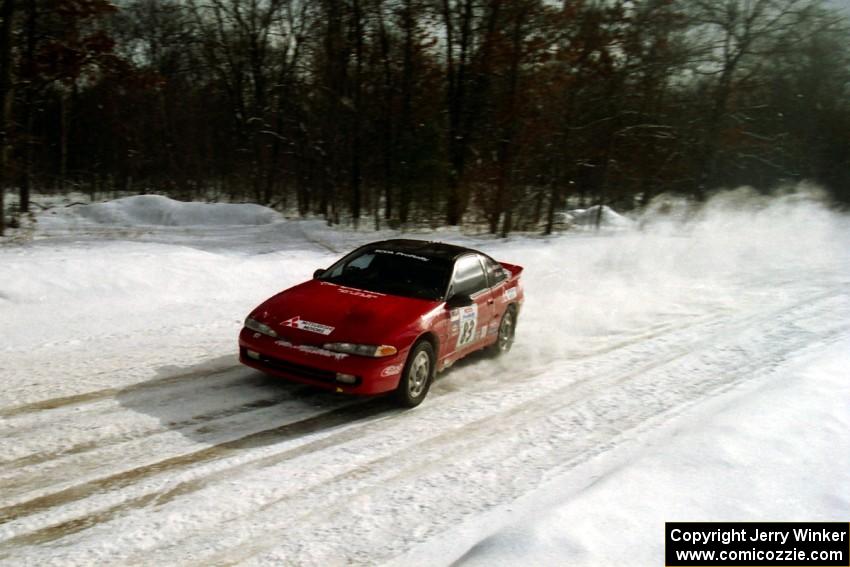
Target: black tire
(507, 330)
(417, 376)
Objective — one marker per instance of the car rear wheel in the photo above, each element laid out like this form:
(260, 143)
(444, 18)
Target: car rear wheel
(417, 376)
(507, 328)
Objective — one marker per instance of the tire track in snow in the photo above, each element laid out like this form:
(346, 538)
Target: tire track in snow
(31, 425)
(191, 423)
(467, 445)
(225, 393)
(338, 416)
(33, 479)
(74, 525)
(482, 425)
(96, 395)
(592, 418)
(71, 494)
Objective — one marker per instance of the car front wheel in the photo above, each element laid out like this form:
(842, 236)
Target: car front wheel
(417, 376)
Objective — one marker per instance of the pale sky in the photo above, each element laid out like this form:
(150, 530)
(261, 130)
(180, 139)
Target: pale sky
(843, 4)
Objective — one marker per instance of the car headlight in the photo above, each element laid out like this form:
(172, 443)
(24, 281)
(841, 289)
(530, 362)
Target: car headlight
(255, 325)
(375, 351)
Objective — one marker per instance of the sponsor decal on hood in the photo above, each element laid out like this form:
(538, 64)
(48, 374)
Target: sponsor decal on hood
(354, 291)
(298, 323)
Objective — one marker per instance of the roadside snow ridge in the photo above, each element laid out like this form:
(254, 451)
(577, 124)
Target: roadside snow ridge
(162, 211)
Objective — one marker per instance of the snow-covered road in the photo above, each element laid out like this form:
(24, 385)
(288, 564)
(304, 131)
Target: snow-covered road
(130, 435)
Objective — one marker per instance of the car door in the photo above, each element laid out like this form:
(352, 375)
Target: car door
(469, 324)
(497, 279)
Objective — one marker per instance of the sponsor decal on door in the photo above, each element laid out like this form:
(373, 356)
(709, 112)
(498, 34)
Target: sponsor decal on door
(468, 321)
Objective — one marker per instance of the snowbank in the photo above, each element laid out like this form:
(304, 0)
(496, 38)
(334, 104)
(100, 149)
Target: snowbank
(161, 211)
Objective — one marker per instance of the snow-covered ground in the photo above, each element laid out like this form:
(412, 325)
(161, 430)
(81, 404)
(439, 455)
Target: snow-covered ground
(691, 367)
(770, 450)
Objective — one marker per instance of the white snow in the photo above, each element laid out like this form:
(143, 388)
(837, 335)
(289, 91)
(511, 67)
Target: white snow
(776, 450)
(607, 218)
(686, 367)
(142, 210)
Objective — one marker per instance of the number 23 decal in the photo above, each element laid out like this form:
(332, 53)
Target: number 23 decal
(468, 322)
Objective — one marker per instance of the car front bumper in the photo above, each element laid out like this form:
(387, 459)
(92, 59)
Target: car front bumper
(319, 367)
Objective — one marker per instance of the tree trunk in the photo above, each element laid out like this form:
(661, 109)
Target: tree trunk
(387, 124)
(554, 199)
(29, 106)
(456, 71)
(356, 144)
(7, 12)
(63, 139)
(506, 146)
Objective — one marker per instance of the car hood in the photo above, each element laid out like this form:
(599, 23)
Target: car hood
(317, 312)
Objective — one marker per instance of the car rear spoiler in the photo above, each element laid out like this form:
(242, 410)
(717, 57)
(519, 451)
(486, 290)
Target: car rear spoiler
(513, 269)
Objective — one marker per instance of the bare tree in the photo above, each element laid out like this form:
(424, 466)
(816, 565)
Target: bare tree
(469, 32)
(733, 38)
(7, 13)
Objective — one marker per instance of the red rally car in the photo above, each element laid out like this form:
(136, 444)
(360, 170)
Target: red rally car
(385, 318)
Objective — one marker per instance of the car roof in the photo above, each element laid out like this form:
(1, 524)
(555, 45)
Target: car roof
(428, 249)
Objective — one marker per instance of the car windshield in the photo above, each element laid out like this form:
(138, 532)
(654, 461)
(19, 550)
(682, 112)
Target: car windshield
(394, 272)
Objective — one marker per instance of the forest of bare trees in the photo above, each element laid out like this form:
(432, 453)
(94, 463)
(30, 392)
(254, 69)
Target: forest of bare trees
(390, 111)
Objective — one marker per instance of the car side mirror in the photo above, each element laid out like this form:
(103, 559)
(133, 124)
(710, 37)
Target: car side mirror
(458, 301)
(318, 273)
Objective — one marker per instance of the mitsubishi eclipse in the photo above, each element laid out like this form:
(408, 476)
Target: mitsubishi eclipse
(386, 318)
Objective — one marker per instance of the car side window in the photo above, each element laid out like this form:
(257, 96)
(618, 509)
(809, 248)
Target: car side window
(361, 262)
(469, 277)
(495, 271)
